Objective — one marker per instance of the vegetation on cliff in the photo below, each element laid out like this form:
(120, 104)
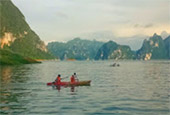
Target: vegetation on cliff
(7, 57)
(112, 50)
(16, 37)
(154, 48)
(75, 49)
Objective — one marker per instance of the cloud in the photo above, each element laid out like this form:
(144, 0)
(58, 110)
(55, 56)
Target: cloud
(148, 25)
(63, 19)
(143, 26)
(62, 15)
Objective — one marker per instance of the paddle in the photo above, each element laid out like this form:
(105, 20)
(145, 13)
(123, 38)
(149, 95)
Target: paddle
(65, 77)
(76, 79)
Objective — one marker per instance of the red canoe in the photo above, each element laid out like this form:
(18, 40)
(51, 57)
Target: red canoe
(77, 83)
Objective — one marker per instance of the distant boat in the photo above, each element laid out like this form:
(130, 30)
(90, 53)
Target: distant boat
(114, 65)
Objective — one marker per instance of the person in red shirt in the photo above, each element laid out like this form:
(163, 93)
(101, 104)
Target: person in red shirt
(72, 79)
(58, 79)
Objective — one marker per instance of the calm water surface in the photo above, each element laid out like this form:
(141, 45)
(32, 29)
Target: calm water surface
(136, 87)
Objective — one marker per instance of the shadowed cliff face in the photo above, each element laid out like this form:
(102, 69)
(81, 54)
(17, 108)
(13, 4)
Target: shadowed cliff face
(16, 35)
(167, 45)
(112, 50)
(154, 48)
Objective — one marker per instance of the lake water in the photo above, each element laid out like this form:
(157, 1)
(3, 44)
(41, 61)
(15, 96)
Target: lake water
(136, 87)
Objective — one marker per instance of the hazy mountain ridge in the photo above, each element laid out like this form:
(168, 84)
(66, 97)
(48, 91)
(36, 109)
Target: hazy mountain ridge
(75, 49)
(17, 36)
(154, 48)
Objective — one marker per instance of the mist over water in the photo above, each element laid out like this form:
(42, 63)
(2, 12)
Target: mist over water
(136, 87)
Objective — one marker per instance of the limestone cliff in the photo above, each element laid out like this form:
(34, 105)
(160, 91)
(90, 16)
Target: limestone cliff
(16, 35)
(154, 48)
(112, 50)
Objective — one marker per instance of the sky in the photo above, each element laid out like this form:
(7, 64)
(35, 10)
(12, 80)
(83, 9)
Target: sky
(124, 21)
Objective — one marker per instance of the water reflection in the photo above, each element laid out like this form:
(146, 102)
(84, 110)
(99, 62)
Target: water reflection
(157, 86)
(72, 88)
(5, 74)
(10, 74)
(12, 88)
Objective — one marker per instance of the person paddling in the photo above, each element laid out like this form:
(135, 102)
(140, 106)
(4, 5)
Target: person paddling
(58, 79)
(72, 79)
(75, 76)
